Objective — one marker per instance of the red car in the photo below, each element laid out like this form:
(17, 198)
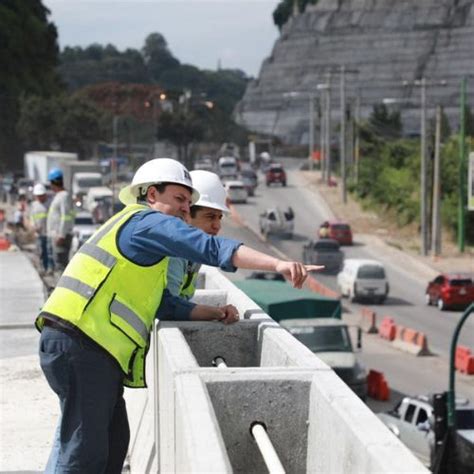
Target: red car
(450, 290)
(337, 230)
(275, 174)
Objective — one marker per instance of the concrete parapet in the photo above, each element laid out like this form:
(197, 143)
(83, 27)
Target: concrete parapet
(345, 436)
(199, 446)
(204, 413)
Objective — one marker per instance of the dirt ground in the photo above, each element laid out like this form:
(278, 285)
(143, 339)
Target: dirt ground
(403, 238)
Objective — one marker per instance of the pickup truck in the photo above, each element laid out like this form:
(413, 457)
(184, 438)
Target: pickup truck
(324, 252)
(411, 420)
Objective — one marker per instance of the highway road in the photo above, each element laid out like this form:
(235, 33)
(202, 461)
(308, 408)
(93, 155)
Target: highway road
(406, 374)
(406, 301)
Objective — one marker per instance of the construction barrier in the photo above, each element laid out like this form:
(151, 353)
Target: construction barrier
(368, 321)
(464, 360)
(4, 244)
(412, 341)
(377, 386)
(388, 329)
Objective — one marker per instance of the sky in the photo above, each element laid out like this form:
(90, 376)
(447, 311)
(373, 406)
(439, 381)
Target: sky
(238, 33)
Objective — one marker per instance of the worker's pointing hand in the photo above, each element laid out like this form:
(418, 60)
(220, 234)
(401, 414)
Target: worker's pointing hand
(296, 272)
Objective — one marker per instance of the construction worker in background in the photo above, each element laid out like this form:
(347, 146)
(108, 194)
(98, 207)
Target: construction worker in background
(38, 216)
(206, 215)
(60, 221)
(95, 325)
(324, 230)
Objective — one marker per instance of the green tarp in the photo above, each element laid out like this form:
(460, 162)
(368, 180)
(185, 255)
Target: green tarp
(281, 301)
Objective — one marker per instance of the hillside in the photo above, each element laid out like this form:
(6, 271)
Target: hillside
(387, 42)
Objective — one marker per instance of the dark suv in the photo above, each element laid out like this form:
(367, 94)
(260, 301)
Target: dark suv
(275, 174)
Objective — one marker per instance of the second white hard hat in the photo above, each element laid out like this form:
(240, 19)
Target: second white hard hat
(39, 190)
(159, 170)
(211, 191)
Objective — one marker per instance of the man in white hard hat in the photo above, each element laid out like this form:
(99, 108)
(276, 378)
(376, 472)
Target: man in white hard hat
(95, 325)
(206, 214)
(38, 216)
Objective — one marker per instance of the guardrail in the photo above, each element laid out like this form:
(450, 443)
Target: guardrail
(196, 417)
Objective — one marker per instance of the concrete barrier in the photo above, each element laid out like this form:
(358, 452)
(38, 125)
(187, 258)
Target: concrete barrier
(204, 414)
(388, 329)
(464, 360)
(411, 341)
(368, 320)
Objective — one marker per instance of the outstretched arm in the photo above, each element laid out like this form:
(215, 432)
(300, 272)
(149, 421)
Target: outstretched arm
(295, 272)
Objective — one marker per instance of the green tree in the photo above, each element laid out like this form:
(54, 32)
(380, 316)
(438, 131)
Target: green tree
(28, 56)
(96, 64)
(68, 122)
(157, 56)
(385, 123)
(181, 128)
(284, 10)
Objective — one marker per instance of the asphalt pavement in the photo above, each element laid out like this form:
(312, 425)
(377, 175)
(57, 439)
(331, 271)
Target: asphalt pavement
(28, 407)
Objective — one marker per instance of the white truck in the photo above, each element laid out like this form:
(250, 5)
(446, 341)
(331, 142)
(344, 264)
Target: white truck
(39, 163)
(80, 176)
(329, 339)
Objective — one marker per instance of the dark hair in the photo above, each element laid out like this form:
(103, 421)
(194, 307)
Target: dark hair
(57, 182)
(160, 187)
(194, 210)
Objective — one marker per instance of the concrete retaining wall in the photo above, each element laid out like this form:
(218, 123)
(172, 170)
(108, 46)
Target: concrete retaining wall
(314, 420)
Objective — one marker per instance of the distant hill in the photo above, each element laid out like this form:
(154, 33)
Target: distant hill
(386, 41)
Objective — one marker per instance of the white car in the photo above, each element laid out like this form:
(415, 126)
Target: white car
(363, 279)
(236, 191)
(84, 227)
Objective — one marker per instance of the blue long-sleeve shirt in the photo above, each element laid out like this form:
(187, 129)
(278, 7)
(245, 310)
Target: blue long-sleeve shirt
(149, 236)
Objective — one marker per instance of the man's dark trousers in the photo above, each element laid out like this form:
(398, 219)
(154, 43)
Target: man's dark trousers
(93, 430)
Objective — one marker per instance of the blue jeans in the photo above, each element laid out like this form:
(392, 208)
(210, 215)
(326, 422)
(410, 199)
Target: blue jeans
(93, 433)
(44, 253)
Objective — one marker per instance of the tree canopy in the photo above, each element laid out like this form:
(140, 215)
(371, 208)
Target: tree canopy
(28, 58)
(284, 10)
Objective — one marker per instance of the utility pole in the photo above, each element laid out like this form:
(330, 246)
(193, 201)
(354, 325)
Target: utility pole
(423, 84)
(462, 174)
(423, 168)
(342, 146)
(322, 154)
(436, 224)
(311, 131)
(328, 128)
(357, 139)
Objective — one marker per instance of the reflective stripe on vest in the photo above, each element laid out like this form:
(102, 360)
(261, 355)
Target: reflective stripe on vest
(109, 298)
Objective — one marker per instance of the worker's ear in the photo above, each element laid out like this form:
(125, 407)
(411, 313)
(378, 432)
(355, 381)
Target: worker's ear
(151, 194)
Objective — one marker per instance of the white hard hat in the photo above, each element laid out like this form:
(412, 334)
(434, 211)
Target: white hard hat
(211, 191)
(39, 190)
(265, 155)
(159, 170)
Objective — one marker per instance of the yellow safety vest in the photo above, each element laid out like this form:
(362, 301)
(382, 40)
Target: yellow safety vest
(110, 299)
